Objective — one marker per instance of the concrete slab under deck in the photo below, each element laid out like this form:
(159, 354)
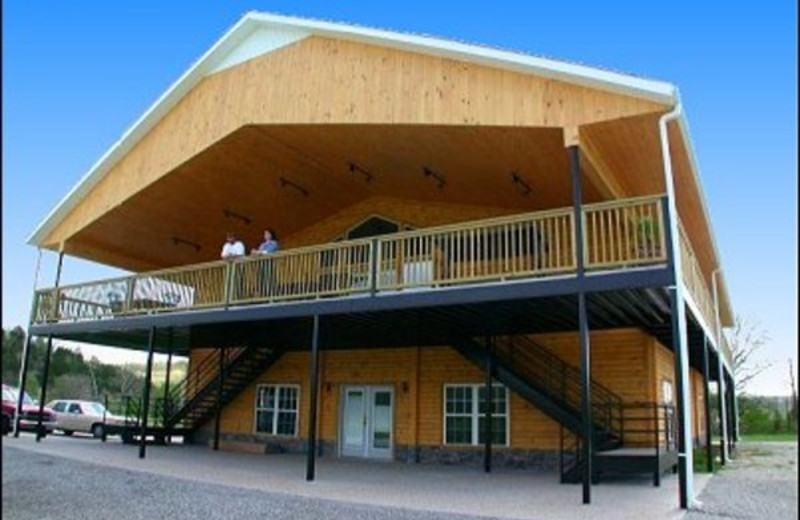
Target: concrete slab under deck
(447, 489)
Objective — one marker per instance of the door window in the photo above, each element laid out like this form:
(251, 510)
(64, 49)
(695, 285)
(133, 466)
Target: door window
(354, 420)
(367, 421)
(382, 420)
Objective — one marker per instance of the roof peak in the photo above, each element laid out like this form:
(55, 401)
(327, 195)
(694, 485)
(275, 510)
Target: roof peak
(236, 45)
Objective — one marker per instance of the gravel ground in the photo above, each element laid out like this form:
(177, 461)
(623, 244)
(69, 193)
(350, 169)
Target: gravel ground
(760, 484)
(379, 488)
(43, 487)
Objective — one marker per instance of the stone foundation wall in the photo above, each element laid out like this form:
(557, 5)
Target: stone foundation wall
(501, 457)
(269, 444)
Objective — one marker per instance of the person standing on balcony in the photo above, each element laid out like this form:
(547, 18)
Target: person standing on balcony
(232, 248)
(268, 246)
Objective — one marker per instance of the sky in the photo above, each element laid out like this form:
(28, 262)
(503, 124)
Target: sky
(76, 75)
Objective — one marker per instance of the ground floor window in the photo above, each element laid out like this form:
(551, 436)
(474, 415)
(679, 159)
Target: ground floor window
(277, 409)
(464, 408)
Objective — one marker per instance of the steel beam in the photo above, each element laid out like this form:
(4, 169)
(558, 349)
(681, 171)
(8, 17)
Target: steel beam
(167, 398)
(587, 429)
(723, 412)
(148, 379)
(586, 397)
(707, 408)
(23, 378)
(645, 277)
(220, 382)
(43, 396)
(731, 416)
(487, 417)
(312, 414)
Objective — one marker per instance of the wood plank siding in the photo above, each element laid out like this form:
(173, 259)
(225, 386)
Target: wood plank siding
(664, 369)
(323, 81)
(624, 360)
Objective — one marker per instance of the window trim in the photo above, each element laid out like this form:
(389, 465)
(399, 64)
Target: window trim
(276, 410)
(401, 226)
(475, 414)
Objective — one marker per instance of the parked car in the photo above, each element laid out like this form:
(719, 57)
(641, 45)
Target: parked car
(85, 416)
(30, 412)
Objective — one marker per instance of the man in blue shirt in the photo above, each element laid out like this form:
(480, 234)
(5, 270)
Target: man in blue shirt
(269, 245)
(265, 287)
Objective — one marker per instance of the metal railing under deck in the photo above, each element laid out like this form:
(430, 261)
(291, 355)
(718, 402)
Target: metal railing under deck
(619, 235)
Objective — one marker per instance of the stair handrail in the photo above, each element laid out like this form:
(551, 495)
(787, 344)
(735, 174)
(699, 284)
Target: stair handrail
(230, 357)
(549, 367)
(202, 373)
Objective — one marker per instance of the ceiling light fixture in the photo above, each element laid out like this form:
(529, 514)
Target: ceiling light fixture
(516, 179)
(427, 172)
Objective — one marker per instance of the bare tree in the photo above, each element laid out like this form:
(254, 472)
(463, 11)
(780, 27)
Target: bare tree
(746, 338)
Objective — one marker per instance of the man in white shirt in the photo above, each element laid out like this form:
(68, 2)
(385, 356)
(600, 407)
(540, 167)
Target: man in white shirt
(233, 248)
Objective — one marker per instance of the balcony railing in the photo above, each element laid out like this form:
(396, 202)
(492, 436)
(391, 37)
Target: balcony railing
(619, 235)
(696, 284)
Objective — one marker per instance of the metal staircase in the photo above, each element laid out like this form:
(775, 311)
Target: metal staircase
(553, 386)
(194, 400)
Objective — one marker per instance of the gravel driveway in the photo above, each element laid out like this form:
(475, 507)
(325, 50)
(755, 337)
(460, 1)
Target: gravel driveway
(71, 489)
(760, 484)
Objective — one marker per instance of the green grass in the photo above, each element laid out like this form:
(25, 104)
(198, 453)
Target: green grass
(699, 453)
(767, 437)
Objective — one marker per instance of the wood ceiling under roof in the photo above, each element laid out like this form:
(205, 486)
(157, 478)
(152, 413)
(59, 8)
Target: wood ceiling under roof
(304, 112)
(260, 172)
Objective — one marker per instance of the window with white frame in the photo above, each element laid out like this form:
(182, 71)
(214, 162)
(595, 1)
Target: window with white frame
(277, 409)
(464, 407)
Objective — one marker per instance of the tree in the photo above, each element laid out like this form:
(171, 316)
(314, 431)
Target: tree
(746, 338)
(755, 415)
(71, 386)
(13, 344)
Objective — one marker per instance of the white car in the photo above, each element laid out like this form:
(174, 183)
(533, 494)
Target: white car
(85, 416)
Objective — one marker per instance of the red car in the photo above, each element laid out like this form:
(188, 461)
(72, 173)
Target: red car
(30, 413)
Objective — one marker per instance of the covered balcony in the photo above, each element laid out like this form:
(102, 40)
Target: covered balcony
(620, 236)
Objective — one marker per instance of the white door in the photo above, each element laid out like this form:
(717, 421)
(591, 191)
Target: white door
(366, 424)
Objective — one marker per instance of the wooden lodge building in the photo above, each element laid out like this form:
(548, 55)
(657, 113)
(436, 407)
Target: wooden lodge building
(451, 218)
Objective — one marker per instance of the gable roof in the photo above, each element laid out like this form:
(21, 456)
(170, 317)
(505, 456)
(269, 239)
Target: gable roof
(258, 33)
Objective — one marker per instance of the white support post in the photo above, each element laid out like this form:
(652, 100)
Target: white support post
(680, 339)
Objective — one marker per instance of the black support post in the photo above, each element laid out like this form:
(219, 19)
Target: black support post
(220, 382)
(735, 405)
(583, 327)
(707, 412)
(488, 403)
(723, 448)
(586, 396)
(677, 314)
(577, 206)
(148, 378)
(731, 419)
(104, 436)
(167, 398)
(312, 413)
(43, 396)
(23, 379)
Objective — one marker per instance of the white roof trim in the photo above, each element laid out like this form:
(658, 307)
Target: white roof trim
(260, 41)
(229, 50)
(683, 125)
